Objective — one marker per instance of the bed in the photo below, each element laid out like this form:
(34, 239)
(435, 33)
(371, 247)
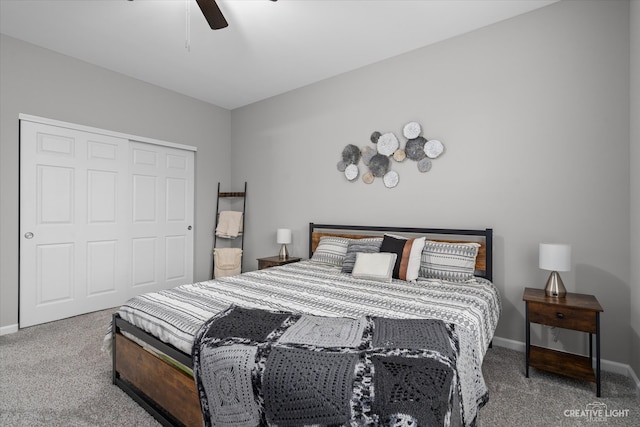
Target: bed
(152, 336)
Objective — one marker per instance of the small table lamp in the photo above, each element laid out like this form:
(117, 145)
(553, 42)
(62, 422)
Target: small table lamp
(283, 237)
(555, 257)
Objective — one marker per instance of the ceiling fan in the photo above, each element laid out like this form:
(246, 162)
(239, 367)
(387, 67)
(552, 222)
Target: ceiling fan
(212, 13)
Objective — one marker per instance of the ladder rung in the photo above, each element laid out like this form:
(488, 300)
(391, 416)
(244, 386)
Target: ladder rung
(231, 194)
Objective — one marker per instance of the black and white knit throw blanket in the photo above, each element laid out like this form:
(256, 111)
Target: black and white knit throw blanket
(255, 367)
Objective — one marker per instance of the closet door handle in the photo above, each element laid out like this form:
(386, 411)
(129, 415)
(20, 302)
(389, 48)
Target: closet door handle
(28, 235)
(189, 228)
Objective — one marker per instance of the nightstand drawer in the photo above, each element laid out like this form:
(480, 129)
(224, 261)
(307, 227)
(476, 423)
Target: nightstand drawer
(562, 317)
(267, 264)
(275, 261)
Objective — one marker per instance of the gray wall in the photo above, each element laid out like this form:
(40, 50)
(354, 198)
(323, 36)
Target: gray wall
(534, 114)
(43, 83)
(635, 185)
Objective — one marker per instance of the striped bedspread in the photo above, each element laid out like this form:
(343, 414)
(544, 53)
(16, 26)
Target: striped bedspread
(175, 315)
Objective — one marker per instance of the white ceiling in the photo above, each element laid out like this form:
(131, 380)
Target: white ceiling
(269, 48)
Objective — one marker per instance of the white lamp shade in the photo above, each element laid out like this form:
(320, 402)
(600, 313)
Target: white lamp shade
(283, 236)
(555, 257)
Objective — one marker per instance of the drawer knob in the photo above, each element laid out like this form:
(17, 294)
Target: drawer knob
(560, 315)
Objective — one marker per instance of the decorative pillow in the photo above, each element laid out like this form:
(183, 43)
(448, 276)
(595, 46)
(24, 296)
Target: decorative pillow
(408, 251)
(367, 245)
(374, 266)
(448, 261)
(331, 250)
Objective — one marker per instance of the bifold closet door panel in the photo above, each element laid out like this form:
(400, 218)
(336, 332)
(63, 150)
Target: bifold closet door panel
(162, 217)
(74, 254)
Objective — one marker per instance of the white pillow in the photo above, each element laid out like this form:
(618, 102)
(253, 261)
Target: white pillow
(374, 266)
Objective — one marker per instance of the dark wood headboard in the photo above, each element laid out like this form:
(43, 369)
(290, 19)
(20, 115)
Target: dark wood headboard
(484, 260)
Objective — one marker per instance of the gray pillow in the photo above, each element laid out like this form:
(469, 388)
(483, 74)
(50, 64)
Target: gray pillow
(368, 245)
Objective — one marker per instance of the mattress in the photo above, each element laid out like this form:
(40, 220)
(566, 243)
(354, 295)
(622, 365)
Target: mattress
(175, 315)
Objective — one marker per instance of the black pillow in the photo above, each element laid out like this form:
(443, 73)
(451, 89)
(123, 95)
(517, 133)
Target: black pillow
(394, 245)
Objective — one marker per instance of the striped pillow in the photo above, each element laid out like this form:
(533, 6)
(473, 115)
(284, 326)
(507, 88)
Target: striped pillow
(331, 250)
(454, 262)
(367, 245)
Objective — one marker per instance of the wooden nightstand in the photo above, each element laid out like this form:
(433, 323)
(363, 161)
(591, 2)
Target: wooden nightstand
(577, 312)
(274, 261)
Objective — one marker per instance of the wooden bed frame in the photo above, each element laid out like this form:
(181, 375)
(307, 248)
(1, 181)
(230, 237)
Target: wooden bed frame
(169, 394)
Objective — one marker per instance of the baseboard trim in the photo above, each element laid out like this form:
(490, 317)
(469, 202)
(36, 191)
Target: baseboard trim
(635, 379)
(510, 344)
(606, 365)
(6, 330)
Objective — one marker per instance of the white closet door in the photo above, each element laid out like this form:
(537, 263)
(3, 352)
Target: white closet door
(73, 204)
(162, 217)
(87, 203)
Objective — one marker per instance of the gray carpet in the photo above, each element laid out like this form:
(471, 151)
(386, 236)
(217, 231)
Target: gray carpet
(56, 375)
(546, 399)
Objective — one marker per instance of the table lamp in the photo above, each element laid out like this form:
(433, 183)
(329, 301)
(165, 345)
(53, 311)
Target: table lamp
(283, 237)
(555, 257)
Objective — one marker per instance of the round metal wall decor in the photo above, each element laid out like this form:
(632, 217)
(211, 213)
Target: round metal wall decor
(379, 165)
(391, 179)
(351, 172)
(433, 148)
(399, 155)
(387, 149)
(411, 130)
(367, 154)
(388, 144)
(415, 148)
(424, 165)
(351, 154)
(375, 136)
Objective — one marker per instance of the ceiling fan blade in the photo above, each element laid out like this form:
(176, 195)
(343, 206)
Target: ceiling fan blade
(212, 13)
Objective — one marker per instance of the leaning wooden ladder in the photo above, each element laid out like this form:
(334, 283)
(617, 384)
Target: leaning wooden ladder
(229, 195)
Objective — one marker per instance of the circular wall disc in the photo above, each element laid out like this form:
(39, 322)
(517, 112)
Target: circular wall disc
(414, 148)
(379, 165)
(375, 136)
(388, 144)
(390, 179)
(368, 178)
(351, 172)
(433, 148)
(399, 155)
(424, 165)
(367, 155)
(411, 130)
